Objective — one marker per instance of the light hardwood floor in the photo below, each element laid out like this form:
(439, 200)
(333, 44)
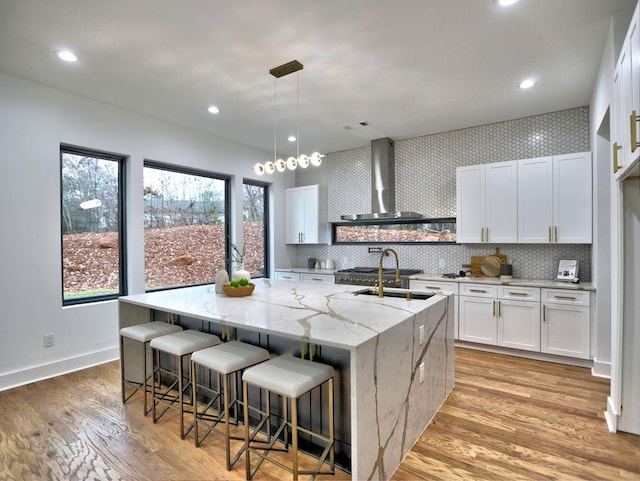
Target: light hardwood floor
(508, 418)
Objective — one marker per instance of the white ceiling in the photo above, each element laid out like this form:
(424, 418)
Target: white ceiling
(407, 67)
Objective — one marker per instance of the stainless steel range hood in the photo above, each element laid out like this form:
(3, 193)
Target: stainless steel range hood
(383, 183)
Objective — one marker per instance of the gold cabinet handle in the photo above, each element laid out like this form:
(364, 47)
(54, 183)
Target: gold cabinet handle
(433, 288)
(494, 308)
(317, 279)
(565, 298)
(549, 233)
(524, 294)
(616, 167)
(544, 313)
(556, 232)
(478, 290)
(634, 118)
(487, 234)
(498, 308)
(481, 234)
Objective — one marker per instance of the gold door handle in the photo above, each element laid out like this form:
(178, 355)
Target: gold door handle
(616, 167)
(634, 118)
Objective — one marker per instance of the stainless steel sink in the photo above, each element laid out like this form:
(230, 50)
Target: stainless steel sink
(398, 293)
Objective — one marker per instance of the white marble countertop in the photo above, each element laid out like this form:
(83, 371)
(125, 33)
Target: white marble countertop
(328, 314)
(548, 283)
(306, 270)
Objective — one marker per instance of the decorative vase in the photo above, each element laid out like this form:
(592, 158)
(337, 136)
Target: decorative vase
(222, 278)
(240, 273)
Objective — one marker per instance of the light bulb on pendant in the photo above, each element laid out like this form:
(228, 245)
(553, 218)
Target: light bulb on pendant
(316, 159)
(303, 161)
(292, 163)
(258, 169)
(281, 165)
(269, 167)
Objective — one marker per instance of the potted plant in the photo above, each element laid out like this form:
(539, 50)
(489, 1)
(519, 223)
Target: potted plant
(311, 262)
(237, 258)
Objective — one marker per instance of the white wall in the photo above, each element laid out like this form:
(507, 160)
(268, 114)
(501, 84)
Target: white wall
(35, 120)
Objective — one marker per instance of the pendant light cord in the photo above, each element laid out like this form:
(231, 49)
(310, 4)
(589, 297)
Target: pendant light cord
(297, 115)
(275, 121)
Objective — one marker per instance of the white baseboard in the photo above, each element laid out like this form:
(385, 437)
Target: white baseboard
(57, 368)
(601, 369)
(611, 417)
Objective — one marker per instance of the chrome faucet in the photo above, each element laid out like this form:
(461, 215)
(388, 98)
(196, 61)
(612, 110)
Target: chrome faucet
(385, 253)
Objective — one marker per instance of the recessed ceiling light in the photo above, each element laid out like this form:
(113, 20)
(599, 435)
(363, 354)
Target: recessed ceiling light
(527, 83)
(213, 109)
(291, 138)
(506, 3)
(66, 55)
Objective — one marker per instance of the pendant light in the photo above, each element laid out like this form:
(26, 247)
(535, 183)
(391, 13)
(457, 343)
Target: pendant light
(292, 163)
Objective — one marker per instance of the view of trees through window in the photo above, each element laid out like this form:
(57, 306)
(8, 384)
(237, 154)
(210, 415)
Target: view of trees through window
(185, 226)
(91, 225)
(254, 197)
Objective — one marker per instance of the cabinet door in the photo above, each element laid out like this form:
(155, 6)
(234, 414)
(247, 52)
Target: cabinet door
(572, 209)
(310, 230)
(634, 83)
(565, 330)
(501, 202)
(535, 201)
(295, 210)
(477, 319)
(470, 203)
(519, 325)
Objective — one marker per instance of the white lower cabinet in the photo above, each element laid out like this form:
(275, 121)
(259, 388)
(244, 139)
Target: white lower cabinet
(566, 323)
(477, 314)
(325, 279)
(287, 276)
(438, 287)
(519, 318)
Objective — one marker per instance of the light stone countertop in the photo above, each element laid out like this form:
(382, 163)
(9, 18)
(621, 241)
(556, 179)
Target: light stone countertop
(548, 283)
(328, 314)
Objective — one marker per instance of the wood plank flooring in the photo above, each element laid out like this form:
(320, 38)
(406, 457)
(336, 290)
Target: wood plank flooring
(508, 418)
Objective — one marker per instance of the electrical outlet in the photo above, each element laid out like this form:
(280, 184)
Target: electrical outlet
(441, 263)
(421, 334)
(49, 340)
(421, 372)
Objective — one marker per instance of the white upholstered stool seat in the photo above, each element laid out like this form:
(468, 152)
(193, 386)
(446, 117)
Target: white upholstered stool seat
(142, 333)
(290, 377)
(227, 360)
(181, 345)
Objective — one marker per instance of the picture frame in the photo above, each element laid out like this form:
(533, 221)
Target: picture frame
(567, 270)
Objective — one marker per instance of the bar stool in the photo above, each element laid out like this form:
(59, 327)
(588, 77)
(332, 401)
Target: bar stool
(291, 377)
(142, 333)
(179, 345)
(227, 360)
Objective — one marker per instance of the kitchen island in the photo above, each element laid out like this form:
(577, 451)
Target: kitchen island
(393, 357)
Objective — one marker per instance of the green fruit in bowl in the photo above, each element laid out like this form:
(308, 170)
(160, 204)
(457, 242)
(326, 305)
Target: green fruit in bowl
(234, 283)
(244, 282)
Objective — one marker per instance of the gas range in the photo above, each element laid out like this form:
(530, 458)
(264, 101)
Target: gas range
(368, 276)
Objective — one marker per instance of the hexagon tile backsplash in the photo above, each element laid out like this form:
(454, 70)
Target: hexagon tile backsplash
(426, 183)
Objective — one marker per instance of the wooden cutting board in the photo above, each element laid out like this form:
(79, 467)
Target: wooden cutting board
(490, 266)
(476, 266)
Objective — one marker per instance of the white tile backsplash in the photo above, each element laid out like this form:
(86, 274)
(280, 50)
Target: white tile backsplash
(425, 183)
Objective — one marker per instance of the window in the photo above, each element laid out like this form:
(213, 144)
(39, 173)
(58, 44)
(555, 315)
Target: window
(254, 227)
(92, 193)
(423, 231)
(185, 226)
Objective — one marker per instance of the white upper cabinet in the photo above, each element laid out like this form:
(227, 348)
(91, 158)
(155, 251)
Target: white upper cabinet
(486, 197)
(626, 103)
(306, 214)
(554, 199)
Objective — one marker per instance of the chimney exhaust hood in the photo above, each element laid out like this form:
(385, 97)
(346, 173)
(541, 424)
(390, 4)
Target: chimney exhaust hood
(383, 183)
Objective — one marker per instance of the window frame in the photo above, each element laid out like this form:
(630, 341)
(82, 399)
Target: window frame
(266, 220)
(179, 169)
(122, 237)
(432, 220)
